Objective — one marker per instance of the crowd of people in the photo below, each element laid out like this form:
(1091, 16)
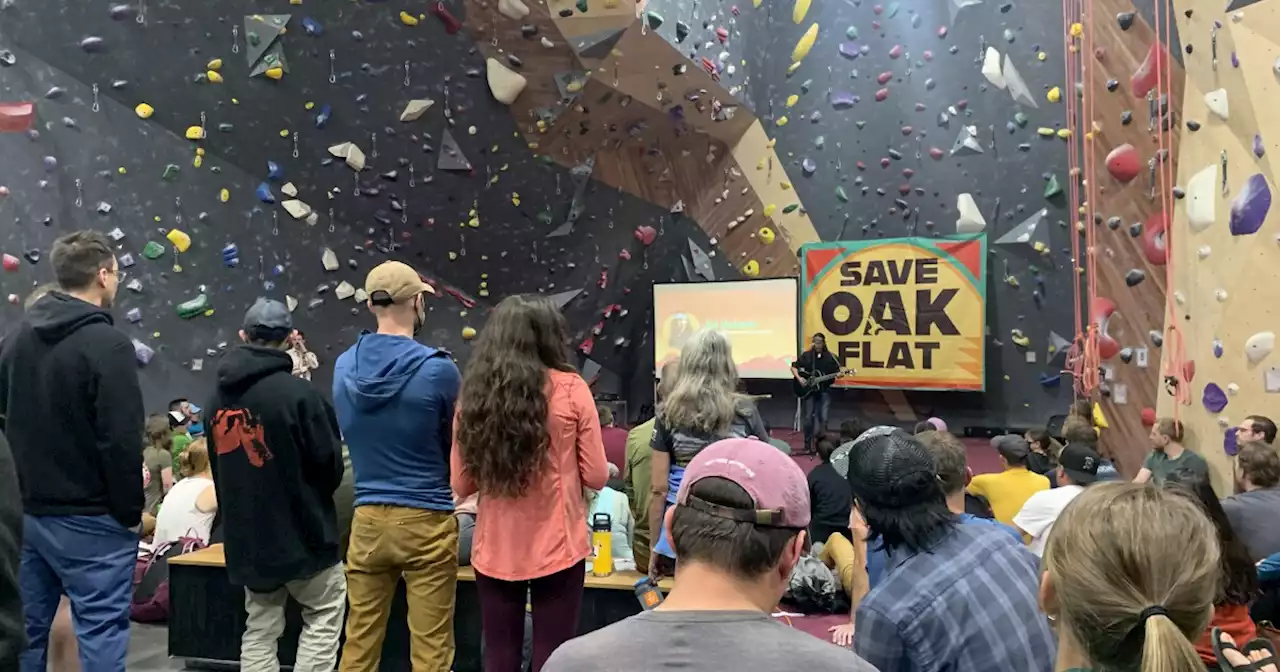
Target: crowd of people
(1052, 563)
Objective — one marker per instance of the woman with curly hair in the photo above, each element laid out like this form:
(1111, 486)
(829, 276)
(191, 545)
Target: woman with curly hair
(527, 438)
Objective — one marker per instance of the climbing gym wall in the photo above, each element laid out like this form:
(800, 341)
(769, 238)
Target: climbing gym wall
(1224, 305)
(1133, 104)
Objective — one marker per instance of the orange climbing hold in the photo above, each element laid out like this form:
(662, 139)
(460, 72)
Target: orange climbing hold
(16, 117)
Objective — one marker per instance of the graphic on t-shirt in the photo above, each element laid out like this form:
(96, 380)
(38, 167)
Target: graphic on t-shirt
(236, 428)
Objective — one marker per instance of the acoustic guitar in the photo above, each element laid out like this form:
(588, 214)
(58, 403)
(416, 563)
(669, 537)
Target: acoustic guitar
(813, 384)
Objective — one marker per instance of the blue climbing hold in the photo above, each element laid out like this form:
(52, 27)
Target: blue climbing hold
(265, 195)
(231, 255)
(324, 115)
(1050, 380)
(274, 172)
(312, 26)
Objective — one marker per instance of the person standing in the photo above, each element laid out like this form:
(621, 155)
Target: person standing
(816, 361)
(1169, 455)
(395, 401)
(637, 471)
(277, 461)
(527, 438)
(614, 437)
(72, 409)
(12, 637)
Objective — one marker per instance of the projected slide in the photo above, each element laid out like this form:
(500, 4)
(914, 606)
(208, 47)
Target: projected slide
(758, 316)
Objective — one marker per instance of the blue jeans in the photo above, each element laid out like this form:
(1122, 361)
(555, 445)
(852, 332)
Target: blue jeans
(813, 416)
(90, 559)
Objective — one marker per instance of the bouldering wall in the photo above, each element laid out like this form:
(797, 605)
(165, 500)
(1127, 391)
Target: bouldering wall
(1133, 136)
(1224, 235)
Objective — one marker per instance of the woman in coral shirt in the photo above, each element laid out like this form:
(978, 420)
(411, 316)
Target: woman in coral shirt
(527, 438)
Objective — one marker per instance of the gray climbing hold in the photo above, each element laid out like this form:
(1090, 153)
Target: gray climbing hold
(1135, 277)
(701, 262)
(597, 44)
(451, 156)
(1125, 20)
(1033, 231)
(562, 299)
(967, 143)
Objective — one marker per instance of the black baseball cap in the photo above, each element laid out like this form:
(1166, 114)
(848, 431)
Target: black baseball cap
(1080, 462)
(891, 469)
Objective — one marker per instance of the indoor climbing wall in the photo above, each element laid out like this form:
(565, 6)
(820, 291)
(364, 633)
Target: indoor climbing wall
(1225, 239)
(1135, 119)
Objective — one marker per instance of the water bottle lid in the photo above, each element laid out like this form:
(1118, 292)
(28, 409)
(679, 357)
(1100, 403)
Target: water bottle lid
(601, 522)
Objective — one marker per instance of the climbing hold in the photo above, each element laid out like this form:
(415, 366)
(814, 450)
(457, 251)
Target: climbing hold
(1214, 398)
(142, 352)
(1144, 79)
(408, 19)
(991, 68)
(751, 269)
(1054, 95)
(296, 209)
(213, 76)
(654, 20)
(1251, 205)
(350, 153)
(645, 234)
(513, 9)
(882, 95)
(230, 255)
(1125, 19)
(504, 83)
(329, 259)
(11, 263)
(193, 307)
(312, 27)
(766, 235)
(414, 109)
(92, 44)
(805, 44)
(1259, 345)
(274, 73)
(144, 111)
(896, 51)
(1259, 149)
(468, 333)
(798, 12)
(1218, 104)
(181, 241)
(970, 219)
(1051, 187)
(152, 250)
(1019, 338)
(1217, 348)
(264, 194)
(1123, 163)
(344, 291)
(1201, 198)
(1135, 277)
(967, 143)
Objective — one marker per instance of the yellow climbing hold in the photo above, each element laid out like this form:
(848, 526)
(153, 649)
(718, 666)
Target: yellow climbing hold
(453, 256)
(195, 133)
(805, 44)
(1020, 339)
(274, 73)
(408, 19)
(1042, 56)
(574, 86)
(766, 235)
(785, 185)
(224, 195)
(197, 161)
(782, 121)
(1054, 95)
(308, 105)
(792, 100)
(751, 269)
(770, 143)
(756, 3)
(1099, 418)
(468, 333)
(181, 241)
(791, 69)
(515, 199)
(1045, 131)
(770, 209)
(798, 12)
(144, 111)
(284, 132)
(215, 64)
(1064, 133)
(760, 165)
(213, 76)
(199, 151)
(1077, 30)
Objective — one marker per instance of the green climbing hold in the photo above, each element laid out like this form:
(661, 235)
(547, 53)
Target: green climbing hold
(152, 250)
(171, 172)
(655, 20)
(1020, 119)
(851, 32)
(844, 198)
(1051, 187)
(790, 208)
(194, 307)
(253, 38)
(582, 6)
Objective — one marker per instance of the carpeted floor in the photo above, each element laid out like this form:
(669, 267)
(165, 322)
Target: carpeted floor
(983, 459)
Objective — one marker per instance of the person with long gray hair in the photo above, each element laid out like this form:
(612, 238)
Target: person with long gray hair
(702, 407)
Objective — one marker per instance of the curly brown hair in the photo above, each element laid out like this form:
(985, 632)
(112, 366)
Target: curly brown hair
(502, 421)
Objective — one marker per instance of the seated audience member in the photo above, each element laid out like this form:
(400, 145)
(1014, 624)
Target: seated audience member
(465, 512)
(1078, 468)
(157, 461)
(180, 426)
(1256, 428)
(922, 427)
(1044, 452)
(850, 430)
(1169, 455)
(614, 437)
(1078, 431)
(1254, 510)
(1008, 490)
(192, 413)
(950, 460)
(638, 472)
(608, 501)
(1081, 409)
(829, 499)
(954, 597)
(1121, 600)
(1238, 582)
(738, 527)
(189, 508)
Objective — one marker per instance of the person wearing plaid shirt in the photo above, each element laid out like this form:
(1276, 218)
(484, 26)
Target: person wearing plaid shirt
(961, 598)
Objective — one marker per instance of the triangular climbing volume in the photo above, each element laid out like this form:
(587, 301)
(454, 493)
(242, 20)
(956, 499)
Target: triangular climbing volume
(597, 44)
(451, 156)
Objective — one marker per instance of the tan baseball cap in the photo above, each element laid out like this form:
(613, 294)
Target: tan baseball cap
(396, 281)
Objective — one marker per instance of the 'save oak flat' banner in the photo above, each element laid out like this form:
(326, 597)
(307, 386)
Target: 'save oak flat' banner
(906, 313)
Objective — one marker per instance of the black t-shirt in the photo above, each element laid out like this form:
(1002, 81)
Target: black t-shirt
(810, 363)
(1041, 464)
(830, 501)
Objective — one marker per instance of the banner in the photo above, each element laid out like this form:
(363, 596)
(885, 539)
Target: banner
(904, 313)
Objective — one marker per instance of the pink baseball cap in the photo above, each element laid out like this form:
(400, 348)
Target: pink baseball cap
(773, 480)
(938, 423)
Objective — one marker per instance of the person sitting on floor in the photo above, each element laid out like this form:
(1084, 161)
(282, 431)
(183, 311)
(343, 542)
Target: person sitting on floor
(1008, 490)
(1044, 452)
(829, 499)
(189, 508)
(157, 461)
(1078, 468)
(957, 597)
(738, 527)
(1169, 455)
(614, 504)
(1253, 511)
(951, 462)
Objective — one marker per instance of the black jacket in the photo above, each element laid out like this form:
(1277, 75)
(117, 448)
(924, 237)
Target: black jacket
(13, 638)
(277, 459)
(72, 409)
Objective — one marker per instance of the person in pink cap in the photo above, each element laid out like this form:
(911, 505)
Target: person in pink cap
(738, 527)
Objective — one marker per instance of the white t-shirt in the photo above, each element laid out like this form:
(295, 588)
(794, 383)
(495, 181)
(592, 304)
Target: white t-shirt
(179, 516)
(1041, 510)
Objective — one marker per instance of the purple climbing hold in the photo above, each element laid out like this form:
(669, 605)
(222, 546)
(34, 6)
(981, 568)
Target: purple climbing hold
(1217, 348)
(144, 353)
(50, 163)
(134, 315)
(1214, 399)
(1259, 149)
(809, 166)
(849, 50)
(1250, 207)
(1229, 444)
(843, 100)
(1235, 60)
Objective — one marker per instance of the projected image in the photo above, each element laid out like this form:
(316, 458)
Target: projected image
(758, 316)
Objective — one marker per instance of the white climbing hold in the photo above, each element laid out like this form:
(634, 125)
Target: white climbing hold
(313, 218)
(1180, 297)
(1259, 345)
(970, 219)
(348, 152)
(991, 68)
(290, 303)
(1224, 421)
(289, 190)
(1233, 389)
(414, 109)
(296, 209)
(1202, 198)
(1220, 295)
(505, 83)
(329, 259)
(1203, 252)
(361, 296)
(344, 291)
(547, 43)
(1017, 86)
(1217, 103)
(513, 9)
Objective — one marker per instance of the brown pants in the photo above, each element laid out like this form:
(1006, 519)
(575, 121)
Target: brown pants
(388, 542)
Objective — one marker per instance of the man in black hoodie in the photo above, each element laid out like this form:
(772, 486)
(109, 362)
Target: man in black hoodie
(277, 460)
(72, 409)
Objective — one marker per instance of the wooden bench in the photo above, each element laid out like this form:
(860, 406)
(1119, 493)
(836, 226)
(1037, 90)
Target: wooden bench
(206, 614)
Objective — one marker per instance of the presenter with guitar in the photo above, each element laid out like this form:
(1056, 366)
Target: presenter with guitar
(815, 371)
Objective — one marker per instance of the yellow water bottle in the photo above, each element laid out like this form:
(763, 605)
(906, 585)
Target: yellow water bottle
(602, 543)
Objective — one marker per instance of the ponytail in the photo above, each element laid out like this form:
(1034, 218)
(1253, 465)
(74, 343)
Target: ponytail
(1165, 648)
(194, 459)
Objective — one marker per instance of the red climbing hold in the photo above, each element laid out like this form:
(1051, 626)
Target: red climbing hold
(881, 95)
(884, 162)
(963, 103)
(722, 35)
(1144, 78)
(936, 154)
(11, 263)
(884, 78)
(16, 117)
(942, 31)
(1123, 163)
(896, 51)
(908, 173)
(904, 189)
(1153, 238)
(1100, 54)
(1189, 370)
(861, 165)
(928, 55)
(646, 235)
(1148, 417)
(878, 10)
(906, 130)
(625, 255)
(451, 23)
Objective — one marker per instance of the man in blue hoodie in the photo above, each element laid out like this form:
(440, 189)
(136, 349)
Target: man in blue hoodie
(394, 398)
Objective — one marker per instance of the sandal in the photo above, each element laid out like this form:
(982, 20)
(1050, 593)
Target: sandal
(1257, 644)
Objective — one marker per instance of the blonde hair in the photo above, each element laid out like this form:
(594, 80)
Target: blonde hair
(1110, 559)
(194, 458)
(704, 395)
